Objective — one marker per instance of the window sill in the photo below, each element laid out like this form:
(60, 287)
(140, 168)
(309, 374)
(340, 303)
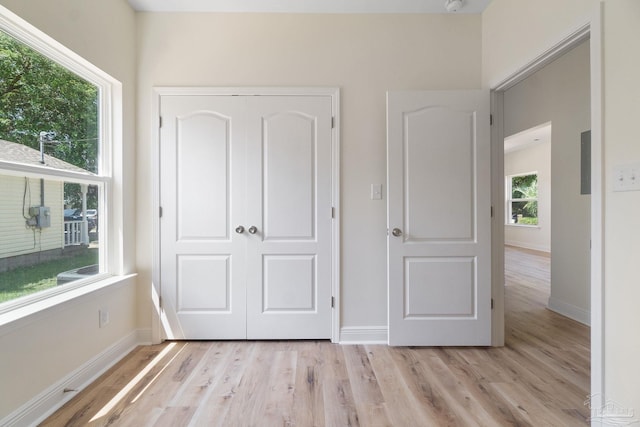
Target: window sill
(33, 311)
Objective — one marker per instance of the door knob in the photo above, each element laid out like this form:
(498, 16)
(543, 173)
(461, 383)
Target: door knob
(253, 229)
(396, 232)
(239, 229)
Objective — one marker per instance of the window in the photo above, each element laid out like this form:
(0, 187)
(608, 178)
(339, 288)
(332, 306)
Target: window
(58, 142)
(522, 199)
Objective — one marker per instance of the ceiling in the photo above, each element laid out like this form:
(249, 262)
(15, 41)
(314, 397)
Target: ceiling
(306, 6)
(525, 139)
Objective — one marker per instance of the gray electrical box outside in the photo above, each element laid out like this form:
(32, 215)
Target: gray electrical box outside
(42, 215)
(585, 162)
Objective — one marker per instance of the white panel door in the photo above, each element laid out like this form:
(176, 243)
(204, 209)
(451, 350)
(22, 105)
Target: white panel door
(246, 227)
(439, 218)
(289, 203)
(202, 186)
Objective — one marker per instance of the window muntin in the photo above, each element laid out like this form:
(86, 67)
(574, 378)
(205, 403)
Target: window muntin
(522, 199)
(79, 141)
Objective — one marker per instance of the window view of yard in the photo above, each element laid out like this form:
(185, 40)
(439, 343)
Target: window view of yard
(49, 214)
(23, 281)
(522, 191)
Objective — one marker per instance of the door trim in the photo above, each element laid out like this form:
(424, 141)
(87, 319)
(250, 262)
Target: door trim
(592, 30)
(158, 320)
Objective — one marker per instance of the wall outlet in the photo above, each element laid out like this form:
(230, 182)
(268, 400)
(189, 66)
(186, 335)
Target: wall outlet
(103, 315)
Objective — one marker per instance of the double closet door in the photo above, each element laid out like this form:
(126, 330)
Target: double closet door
(245, 233)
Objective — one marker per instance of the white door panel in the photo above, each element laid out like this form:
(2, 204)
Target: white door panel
(288, 161)
(442, 167)
(201, 180)
(203, 156)
(289, 293)
(439, 204)
(263, 163)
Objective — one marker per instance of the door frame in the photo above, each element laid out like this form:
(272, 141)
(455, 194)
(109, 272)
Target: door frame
(591, 31)
(158, 319)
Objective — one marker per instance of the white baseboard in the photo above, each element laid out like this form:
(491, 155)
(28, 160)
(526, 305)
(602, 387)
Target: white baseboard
(51, 399)
(571, 311)
(364, 335)
(526, 245)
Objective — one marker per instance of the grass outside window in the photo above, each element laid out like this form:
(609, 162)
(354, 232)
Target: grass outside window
(24, 281)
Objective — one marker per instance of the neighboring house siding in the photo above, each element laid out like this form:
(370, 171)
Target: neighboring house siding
(16, 237)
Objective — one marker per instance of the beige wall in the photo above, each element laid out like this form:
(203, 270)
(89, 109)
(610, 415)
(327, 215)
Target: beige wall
(622, 210)
(536, 158)
(41, 350)
(363, 55)
(560, 94)
(515, 32)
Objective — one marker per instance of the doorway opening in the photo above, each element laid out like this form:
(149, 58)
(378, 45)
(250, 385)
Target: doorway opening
(502, 107)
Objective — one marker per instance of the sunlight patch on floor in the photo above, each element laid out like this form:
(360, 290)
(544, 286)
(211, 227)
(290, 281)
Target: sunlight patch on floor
(126, 389)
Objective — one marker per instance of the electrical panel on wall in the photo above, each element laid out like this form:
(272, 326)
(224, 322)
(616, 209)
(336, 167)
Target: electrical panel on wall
(42, 215)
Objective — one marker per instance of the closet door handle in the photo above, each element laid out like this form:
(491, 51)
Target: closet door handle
(253, 229)
(239, 229)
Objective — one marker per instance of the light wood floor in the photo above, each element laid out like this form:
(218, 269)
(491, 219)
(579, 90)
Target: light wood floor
(540, 378)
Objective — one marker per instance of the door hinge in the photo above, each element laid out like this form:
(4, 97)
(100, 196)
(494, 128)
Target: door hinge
(333, 122)
(333, 302)
(491, 303)
(491, 211)
(490, 119)
(160, 302)
(160, 123)
(333, 212)
(160, 211)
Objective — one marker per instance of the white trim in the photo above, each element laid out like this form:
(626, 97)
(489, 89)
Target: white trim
(597, 214)
(497, 222)
(157, 93)
(52, 174)
(335, 200)
(547, 57)
(364, 335)
(569, 310)
(50, 400)
(592, 31)
(35, 307)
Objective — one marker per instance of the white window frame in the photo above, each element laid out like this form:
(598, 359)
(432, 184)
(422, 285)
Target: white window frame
(509, 200)
(109, 177)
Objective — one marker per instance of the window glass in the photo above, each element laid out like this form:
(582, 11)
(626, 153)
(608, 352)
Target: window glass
(48, 108)
(50, 224)
(522, 199)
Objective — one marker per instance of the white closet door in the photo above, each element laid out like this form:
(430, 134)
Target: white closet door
(289, 203)
(202, 186)
(439, 218)
(262, 163)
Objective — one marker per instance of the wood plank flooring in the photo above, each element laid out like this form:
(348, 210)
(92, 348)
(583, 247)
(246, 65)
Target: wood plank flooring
(540, 377)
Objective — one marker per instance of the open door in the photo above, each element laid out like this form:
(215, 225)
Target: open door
(439, 218)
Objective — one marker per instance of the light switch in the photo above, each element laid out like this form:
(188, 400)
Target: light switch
(626, 177)
(376, 191)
